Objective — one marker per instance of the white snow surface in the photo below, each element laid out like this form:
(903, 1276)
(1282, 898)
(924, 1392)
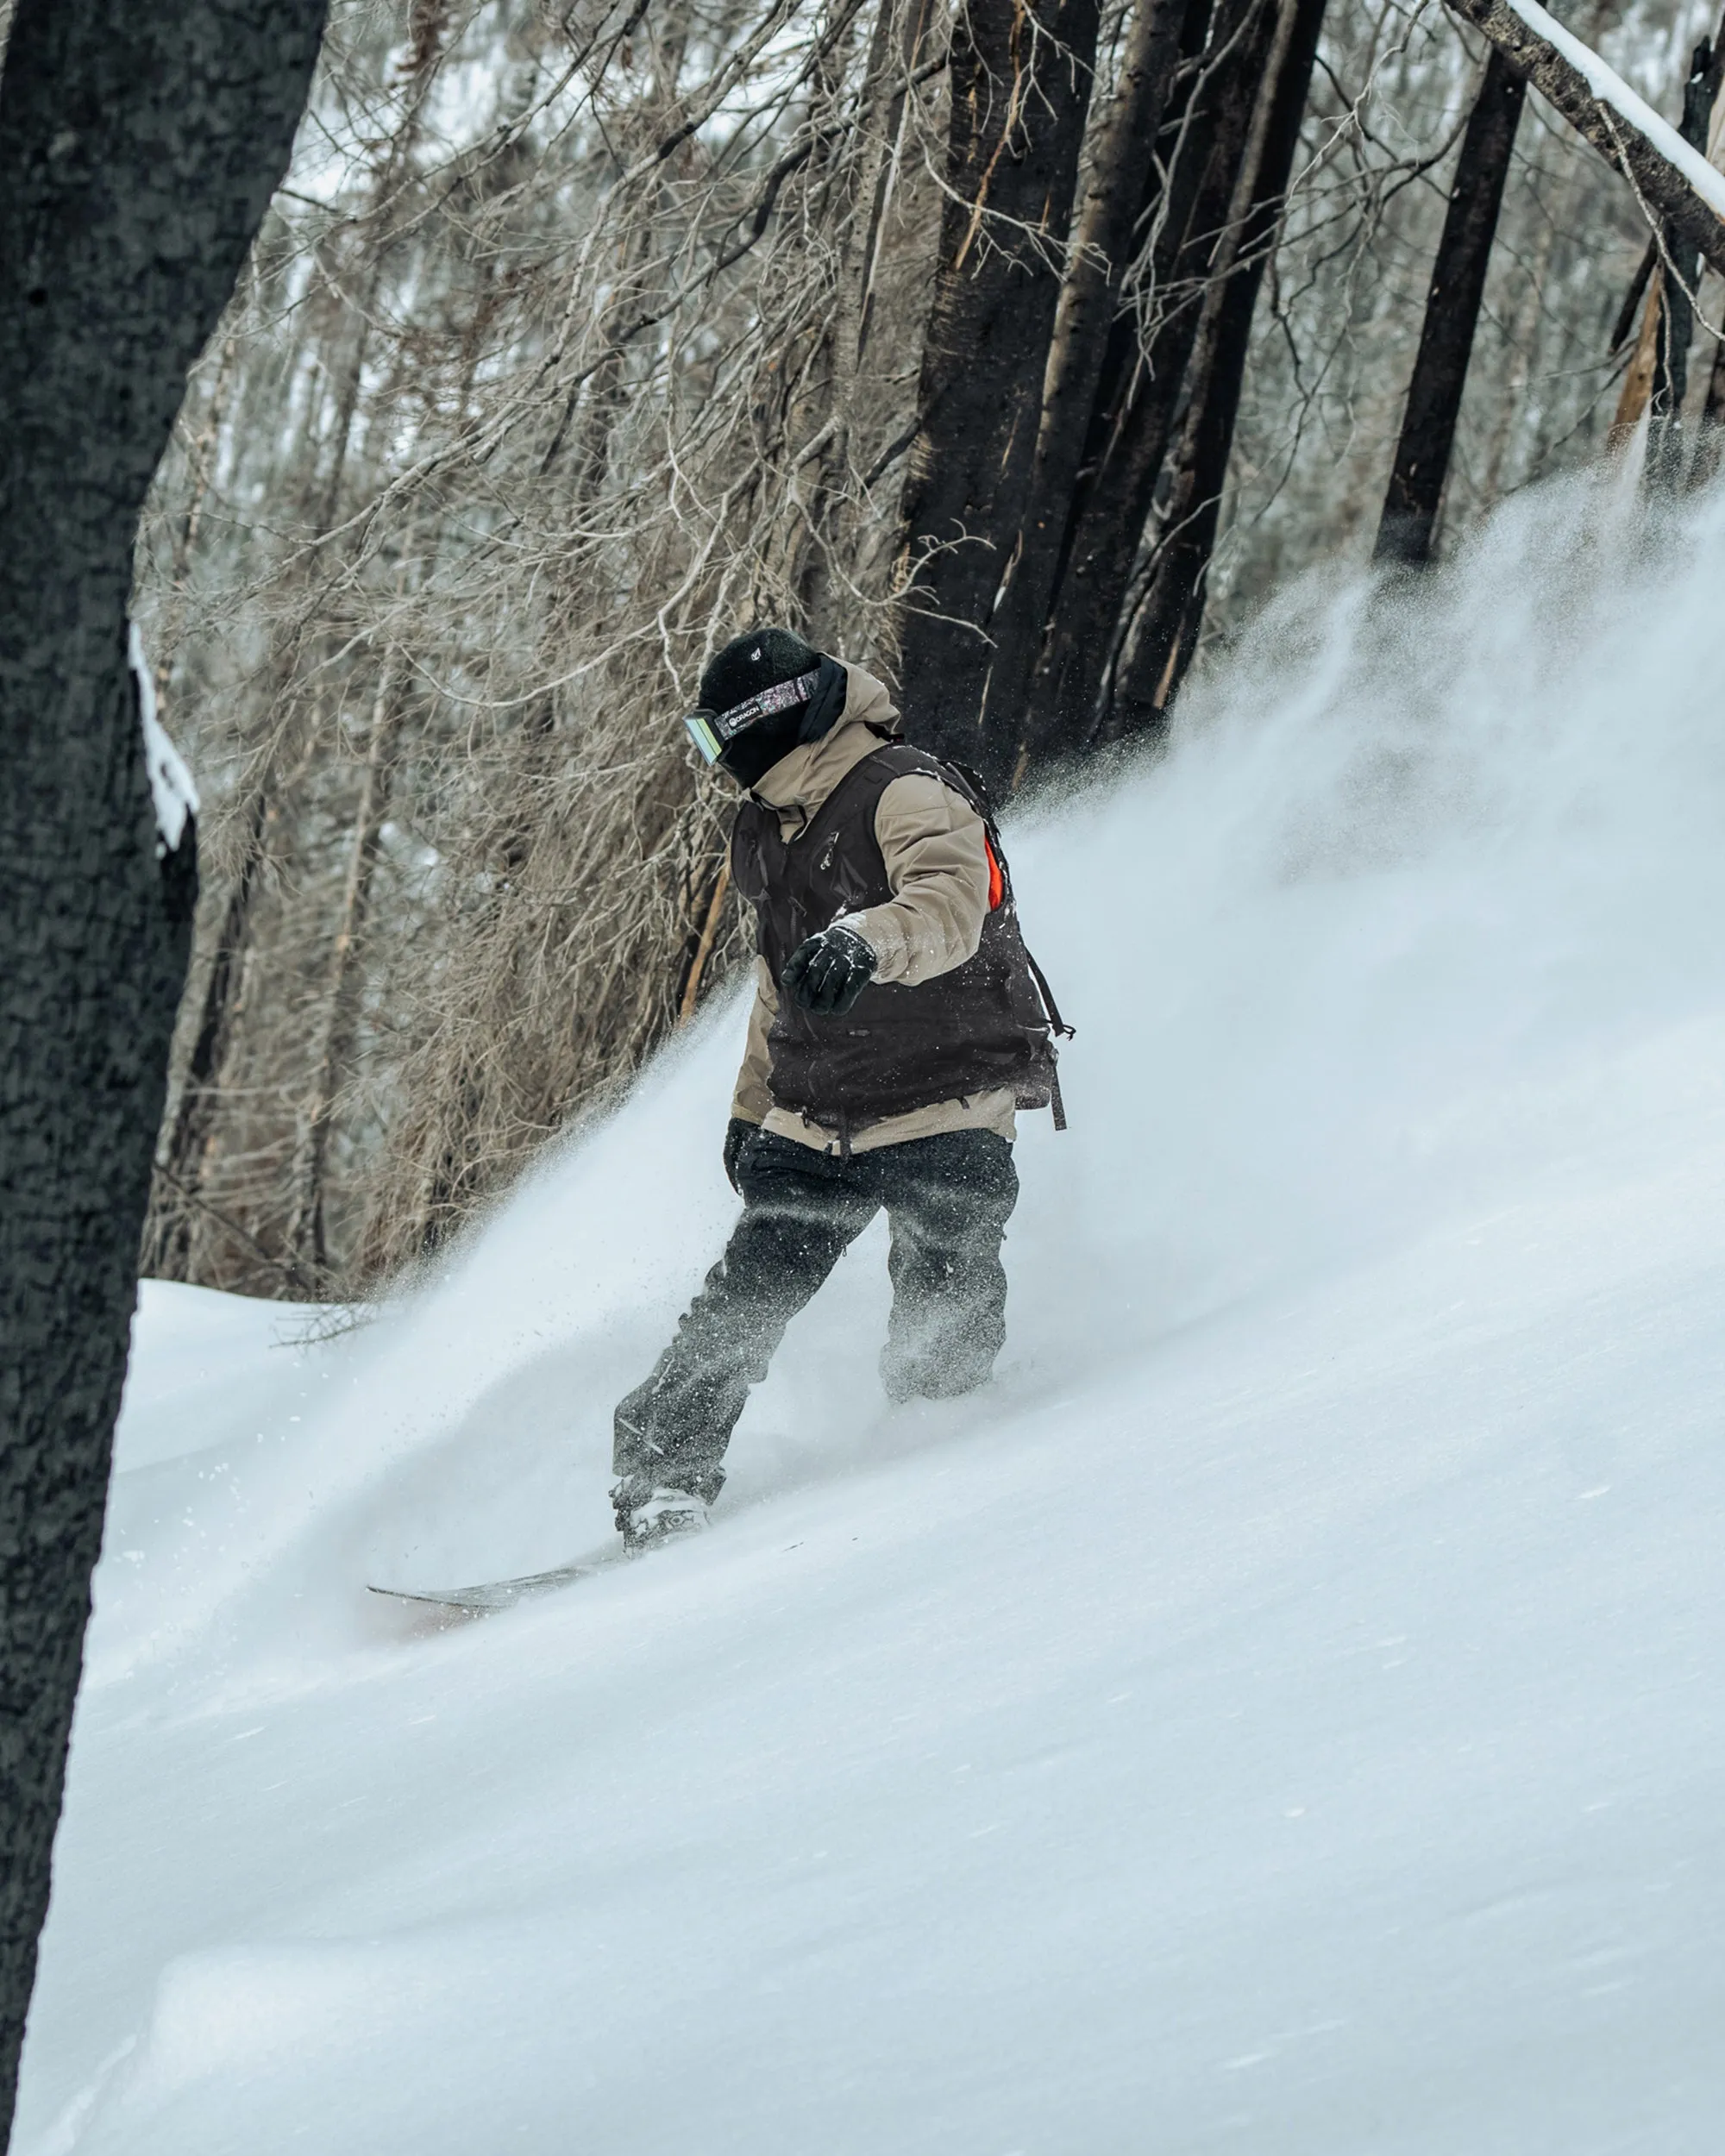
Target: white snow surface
(1279, 1714)
(1609, 88)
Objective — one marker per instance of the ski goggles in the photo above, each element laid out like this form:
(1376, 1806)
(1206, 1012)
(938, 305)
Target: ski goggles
(711, 732)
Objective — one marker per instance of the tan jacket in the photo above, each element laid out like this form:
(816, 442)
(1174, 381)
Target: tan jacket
(932, 842)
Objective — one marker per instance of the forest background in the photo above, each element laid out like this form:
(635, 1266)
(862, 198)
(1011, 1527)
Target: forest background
(1016, 352)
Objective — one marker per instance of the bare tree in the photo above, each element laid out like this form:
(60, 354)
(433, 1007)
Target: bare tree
(1681, 266)
(1193, 232)
(1020, 89)
(1159, 644)
(1422, 451)
(636, 369)
(1120, 182)
(138, 148)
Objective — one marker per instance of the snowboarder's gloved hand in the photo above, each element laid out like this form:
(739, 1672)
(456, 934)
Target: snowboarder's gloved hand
(828, 972)
(737, 1134)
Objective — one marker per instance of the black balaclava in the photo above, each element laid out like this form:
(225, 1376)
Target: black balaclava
(760, 660)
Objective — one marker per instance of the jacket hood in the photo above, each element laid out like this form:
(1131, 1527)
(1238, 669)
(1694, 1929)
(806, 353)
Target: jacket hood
(798, 784)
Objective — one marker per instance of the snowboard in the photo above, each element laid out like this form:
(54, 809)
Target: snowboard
(494, 1595)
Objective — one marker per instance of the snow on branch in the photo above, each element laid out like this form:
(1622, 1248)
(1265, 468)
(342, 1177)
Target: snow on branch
(1672, 181)
(170, 786)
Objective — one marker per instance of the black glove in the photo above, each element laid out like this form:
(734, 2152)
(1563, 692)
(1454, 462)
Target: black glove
(829, 971)
(737, 1134)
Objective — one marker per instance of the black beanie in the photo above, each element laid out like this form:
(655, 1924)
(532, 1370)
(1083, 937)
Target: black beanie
(748, 664)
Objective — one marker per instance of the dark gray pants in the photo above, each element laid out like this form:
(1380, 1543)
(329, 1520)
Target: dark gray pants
(948, 1200)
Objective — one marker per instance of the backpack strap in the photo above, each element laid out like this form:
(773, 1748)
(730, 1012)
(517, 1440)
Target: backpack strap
(970, 786)
(1062, 1031)
(976, 785)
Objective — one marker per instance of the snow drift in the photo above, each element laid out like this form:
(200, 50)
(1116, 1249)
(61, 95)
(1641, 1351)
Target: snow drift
(1273, 1716)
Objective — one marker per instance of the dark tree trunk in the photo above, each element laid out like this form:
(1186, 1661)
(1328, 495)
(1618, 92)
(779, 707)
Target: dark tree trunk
(138, 149)
(1624, 328)
(1452, 303)
(1121, 185)
(1166, 631)
(1140, 393)
(168, 1244)
(1020, 87)
(1709, 442)
(1677, 310)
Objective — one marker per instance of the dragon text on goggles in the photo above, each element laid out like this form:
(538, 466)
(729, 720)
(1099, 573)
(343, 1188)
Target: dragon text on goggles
(710, 731)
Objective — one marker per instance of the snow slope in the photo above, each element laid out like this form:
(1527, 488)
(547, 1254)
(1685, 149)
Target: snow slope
(1274, 1717)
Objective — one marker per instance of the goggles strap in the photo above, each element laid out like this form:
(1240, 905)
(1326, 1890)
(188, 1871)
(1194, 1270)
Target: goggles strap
(710, 731)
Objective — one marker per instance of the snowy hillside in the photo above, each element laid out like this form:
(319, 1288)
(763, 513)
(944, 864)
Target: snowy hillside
(1278, 1715)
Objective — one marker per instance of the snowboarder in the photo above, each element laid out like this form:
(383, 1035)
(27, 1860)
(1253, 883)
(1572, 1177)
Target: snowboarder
(899, 1022)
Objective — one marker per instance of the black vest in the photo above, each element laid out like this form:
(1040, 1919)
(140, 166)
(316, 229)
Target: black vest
(979, 1027)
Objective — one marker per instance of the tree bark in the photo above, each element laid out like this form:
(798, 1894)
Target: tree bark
(1629, 312)
(1452, 303)
(1020, 85)
(1648, 372)
(1139, 397)
(1661, 187)
(1638, 377)
(1165, 634)
(1676, 322)
(138, 149)
(168, 1245)
(1710, 440)
(1709, 437)
(1120, 185)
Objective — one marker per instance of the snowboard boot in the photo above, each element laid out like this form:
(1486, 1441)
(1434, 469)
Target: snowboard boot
(925, 1377)
(660, 1517)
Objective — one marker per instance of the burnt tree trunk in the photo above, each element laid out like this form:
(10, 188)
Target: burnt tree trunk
(1166, 631)
(1020, 87)
(1121, 185)
(1710, 441)
(138, 149)
(1140, 392)
(1638, 378)
(1452, 304)
(1676, 324)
